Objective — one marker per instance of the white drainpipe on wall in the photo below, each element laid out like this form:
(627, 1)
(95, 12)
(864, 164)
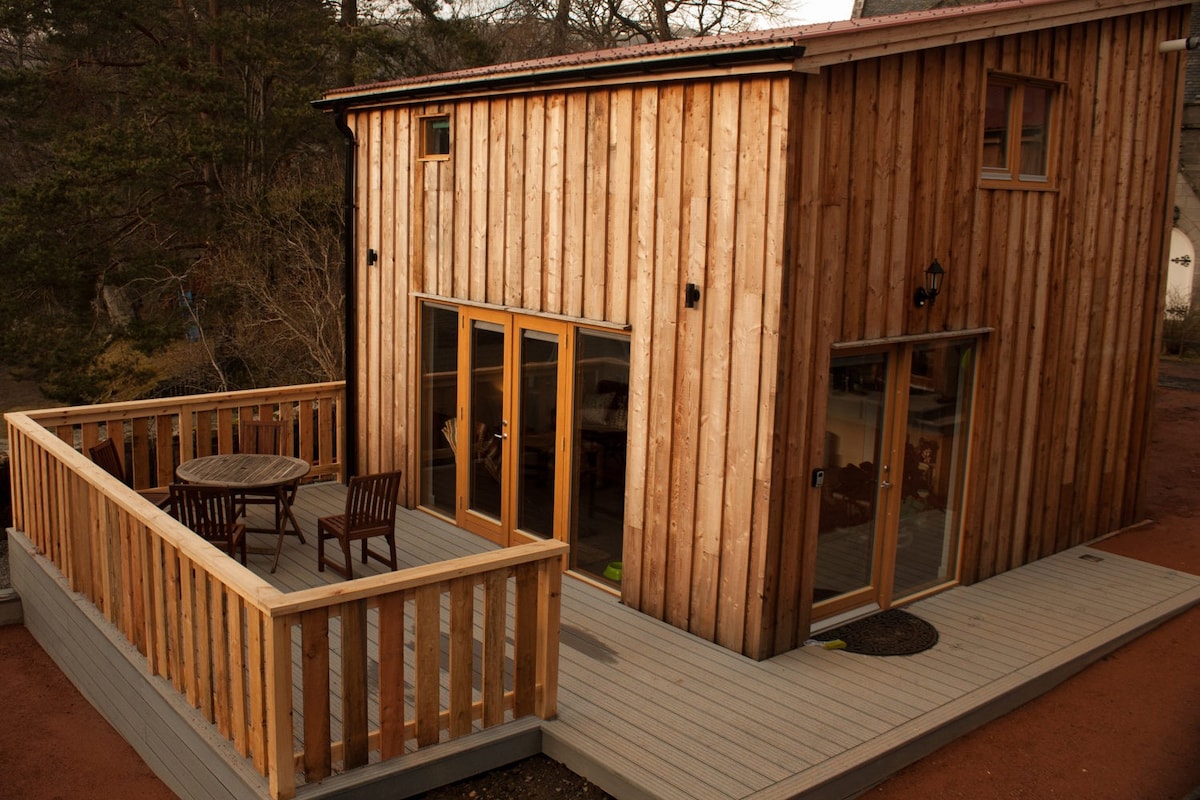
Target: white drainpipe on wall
(1190, 43)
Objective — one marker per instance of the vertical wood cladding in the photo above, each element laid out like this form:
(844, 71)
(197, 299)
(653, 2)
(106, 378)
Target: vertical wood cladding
(806, 208)
(1069, 279)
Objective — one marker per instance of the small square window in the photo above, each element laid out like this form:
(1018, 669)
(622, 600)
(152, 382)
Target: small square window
(1017, 136)
(435, 137)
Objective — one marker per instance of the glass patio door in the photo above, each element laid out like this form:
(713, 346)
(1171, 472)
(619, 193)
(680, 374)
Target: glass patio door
(511, 426)
(523, 430)
(484, 423)
(895, 459)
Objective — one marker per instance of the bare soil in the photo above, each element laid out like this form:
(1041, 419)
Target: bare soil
(1126, 728)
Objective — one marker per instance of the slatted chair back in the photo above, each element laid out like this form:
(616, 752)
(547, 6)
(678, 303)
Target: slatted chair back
(370, 511)
(210, 512)
(371, 501)
(105, 455)
(263, 437)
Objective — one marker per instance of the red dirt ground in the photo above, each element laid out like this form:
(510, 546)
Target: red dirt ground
(1126, 728)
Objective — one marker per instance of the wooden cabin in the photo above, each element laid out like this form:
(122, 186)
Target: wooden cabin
(780, 327)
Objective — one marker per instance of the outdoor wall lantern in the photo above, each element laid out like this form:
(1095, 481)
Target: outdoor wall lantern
(691, 295)
(933, 285)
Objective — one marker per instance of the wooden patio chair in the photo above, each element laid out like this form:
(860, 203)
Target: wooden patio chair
(265, 437)
(370, 511)
(107, 457)
(210, 512)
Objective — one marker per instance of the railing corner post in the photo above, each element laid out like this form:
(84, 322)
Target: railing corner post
(549, 618)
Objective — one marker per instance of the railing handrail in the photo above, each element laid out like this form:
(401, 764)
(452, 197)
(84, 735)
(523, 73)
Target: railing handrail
(181, 601)
(249, 586)
(74, 415)
(413, 577)
(253, 589)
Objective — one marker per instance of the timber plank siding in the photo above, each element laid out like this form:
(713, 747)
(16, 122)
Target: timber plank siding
(804, 195)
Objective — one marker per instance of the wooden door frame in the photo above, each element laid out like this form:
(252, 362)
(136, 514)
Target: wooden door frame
(562, 424)
(505, 531)
(886, 527)
(465, 517)
(871, 593)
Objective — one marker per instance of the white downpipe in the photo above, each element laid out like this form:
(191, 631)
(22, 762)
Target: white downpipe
(1174, 45)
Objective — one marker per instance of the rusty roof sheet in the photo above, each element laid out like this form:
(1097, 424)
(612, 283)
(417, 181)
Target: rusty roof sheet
(663, 53)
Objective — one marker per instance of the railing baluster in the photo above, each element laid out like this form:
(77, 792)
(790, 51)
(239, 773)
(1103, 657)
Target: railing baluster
(281, 775)
(223, 637)
(204, 639)
(218, 610)
(391, 675)
(174, 618)
(462, 645)
(257, 708)
(164, 450)
(122, 571)
(140, 453)
(236, 622)
(314, 676)
(428, 666)
(495, 620)
(156, 624)
(354, 683)
(188, 618)
(525, 641)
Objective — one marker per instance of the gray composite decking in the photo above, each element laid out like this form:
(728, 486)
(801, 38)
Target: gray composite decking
(649, 711)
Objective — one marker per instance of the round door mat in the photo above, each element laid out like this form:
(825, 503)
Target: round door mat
(888, 633)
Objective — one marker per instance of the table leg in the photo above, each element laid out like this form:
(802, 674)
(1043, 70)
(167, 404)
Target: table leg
(283, 513)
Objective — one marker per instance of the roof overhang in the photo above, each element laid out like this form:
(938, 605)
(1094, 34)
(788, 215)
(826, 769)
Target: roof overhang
(632, 66)
(809, 48)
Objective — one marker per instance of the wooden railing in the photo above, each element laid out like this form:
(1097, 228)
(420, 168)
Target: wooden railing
(154, 436)
(228, 641)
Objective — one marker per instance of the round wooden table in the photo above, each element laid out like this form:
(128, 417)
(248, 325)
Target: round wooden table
(242, 472)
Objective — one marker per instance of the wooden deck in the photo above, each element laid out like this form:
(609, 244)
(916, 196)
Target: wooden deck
(648, 711)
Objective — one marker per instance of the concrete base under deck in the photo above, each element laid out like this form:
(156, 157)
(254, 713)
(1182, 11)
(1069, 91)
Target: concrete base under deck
(648, 711)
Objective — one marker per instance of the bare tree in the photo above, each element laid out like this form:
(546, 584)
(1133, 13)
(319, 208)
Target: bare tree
(575, 25)
(279, 280)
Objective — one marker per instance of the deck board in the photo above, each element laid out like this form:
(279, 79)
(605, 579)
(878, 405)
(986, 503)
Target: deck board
(649, 711)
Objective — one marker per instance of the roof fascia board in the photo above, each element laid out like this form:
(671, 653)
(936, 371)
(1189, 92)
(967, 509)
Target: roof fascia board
(859, 45)
(474, 90)
(764, 57)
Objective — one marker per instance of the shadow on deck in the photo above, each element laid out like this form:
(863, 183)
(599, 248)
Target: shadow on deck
(648, 711)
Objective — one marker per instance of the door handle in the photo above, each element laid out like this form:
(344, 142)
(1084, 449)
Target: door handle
(885, 484)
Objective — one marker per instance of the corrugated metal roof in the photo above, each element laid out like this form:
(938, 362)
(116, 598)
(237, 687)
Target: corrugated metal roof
(773, 44)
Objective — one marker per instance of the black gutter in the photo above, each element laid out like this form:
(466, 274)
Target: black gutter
(350, 362)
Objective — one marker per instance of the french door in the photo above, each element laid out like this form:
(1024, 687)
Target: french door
(512, 424)
(524, 430)
(896, 437)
